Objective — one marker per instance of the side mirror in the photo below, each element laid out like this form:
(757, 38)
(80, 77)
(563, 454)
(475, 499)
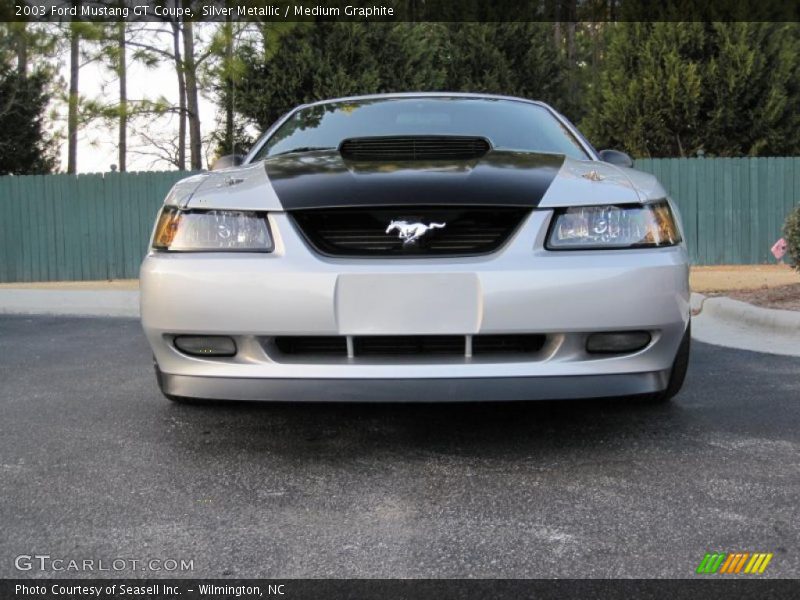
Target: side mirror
(227, 161)
(615, 157)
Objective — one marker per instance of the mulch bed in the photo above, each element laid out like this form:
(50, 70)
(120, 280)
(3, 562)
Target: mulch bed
(786, 297)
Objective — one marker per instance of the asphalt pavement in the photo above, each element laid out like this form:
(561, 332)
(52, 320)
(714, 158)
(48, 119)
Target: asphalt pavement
(96, 465)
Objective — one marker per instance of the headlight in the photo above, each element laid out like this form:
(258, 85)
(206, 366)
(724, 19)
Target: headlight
(626, 226)
(212, 231)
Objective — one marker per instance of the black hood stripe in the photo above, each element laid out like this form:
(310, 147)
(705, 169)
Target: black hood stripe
(323, 179)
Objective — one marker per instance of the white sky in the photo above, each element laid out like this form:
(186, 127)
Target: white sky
(97, 142)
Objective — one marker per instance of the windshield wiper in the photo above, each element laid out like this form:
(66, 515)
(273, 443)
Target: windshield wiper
(303, 149)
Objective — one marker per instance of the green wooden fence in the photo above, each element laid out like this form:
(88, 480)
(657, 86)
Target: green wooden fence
(86, 227)
(733, 209)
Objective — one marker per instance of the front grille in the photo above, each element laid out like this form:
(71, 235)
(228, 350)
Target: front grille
(421, 147)
(407, 345)
(362, 232)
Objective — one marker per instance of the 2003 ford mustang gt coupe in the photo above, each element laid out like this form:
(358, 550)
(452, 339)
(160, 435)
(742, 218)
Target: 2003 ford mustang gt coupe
(418, 247)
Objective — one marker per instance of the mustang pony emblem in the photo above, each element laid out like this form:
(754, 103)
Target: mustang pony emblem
(593, 176)
(411, 232)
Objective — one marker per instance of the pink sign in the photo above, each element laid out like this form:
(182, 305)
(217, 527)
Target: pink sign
(779, 249)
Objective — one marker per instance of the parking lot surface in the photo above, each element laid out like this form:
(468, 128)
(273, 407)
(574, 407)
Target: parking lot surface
(95, 464)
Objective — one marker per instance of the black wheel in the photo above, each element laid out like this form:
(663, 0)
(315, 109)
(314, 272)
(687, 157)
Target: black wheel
(679, 367)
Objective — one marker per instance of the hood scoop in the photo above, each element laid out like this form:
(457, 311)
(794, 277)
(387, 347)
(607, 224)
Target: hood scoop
(417, 147)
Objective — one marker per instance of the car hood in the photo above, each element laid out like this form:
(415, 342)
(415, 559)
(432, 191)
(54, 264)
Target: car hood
(323, 179)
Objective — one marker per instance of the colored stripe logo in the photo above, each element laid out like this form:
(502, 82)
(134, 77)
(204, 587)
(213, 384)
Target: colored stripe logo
(752, 563)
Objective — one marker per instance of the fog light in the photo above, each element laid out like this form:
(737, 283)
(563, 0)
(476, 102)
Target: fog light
(206, 345)
(617, 342)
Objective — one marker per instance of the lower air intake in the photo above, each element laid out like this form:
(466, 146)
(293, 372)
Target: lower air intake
(408, 345)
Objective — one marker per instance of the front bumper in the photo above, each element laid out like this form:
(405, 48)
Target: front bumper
(414, 390)
(521, 289)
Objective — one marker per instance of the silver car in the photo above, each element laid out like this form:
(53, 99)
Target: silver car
(418, 247)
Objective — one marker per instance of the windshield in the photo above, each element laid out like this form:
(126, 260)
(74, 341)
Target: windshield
(507, 124)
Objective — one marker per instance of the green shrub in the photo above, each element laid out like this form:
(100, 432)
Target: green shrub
(791, 232)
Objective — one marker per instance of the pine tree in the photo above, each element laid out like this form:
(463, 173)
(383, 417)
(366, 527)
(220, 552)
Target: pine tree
(324, 60)
(26, 77)
(24, 145)
(673, 89)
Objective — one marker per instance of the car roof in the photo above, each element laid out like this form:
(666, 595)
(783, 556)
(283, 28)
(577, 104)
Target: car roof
(474, 95)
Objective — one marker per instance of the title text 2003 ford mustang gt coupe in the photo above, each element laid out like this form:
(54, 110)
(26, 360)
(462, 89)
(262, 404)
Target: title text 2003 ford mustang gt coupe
(418, 247)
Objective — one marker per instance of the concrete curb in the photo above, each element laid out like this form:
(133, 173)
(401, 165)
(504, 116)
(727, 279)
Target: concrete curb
(783, 321)
(84, 303)
(725, 322)
(696, 303)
